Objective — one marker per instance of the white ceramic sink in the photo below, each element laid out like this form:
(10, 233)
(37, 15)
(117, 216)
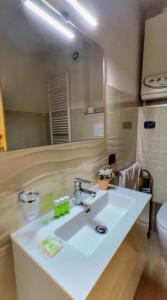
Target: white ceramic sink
(73, 272)
(80, 232)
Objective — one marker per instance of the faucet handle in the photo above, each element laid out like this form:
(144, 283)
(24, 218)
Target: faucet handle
(80, 180)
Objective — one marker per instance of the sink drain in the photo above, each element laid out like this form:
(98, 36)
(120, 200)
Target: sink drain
(101, 229)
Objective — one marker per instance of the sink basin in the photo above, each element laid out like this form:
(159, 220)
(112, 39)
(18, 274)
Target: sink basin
(84, 251)
(106, 210)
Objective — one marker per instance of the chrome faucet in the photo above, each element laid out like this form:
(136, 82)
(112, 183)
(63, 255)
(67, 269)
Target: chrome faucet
(78, 190)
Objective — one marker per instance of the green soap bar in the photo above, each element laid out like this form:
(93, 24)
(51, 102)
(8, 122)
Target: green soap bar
(52, 249)
(50, 246)
(44, 242)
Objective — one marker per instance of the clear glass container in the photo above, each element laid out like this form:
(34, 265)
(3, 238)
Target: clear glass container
(29, 202)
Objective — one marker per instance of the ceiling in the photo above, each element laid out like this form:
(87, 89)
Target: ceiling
(153, 7)
(28, 33)
(24, 31)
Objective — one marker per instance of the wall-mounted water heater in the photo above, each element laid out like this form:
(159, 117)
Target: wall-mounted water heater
(154, 77)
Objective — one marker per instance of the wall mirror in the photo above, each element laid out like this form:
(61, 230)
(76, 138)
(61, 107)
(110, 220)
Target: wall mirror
(51, 88)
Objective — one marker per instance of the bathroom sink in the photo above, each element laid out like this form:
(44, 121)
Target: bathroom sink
(82, 233)
(84, 251)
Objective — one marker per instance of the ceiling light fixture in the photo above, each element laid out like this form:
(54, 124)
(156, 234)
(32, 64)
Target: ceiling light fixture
(83, 12)
(49, 19)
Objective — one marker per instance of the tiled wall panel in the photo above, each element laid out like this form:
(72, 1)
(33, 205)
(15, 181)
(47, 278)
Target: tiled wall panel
(121, 125)
(152, 148)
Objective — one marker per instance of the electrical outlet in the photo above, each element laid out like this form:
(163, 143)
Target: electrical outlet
(112, 159)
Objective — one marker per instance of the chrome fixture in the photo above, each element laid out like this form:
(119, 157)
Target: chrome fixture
(101, 229)
(86, 206)
(78, 190)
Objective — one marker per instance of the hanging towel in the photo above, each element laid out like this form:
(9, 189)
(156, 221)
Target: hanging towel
(128, 178)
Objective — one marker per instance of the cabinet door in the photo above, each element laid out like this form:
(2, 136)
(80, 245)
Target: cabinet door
(3, 142)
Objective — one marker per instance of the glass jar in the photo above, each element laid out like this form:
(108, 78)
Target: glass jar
(30, 205)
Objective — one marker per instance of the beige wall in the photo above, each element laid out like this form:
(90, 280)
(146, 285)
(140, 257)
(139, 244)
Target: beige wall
(25, 96)
(120, 31)
(94, 63)
(122, 141)
(27, 130)
(24, 85)
(83, 126)
(152, 148)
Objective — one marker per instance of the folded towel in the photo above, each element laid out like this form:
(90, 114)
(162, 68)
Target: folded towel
(129, 178)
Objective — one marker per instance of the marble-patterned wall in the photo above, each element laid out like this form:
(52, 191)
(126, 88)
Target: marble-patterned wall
(152, 148)
(49, 170)
(121, 125)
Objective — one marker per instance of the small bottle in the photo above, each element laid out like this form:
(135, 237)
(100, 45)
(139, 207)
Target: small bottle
(57, 210)
(67, 204)
(62, 207)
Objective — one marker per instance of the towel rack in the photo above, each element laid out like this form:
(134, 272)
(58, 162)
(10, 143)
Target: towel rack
(147, 187)
(117, 170)
(148, 190)
(59, 109)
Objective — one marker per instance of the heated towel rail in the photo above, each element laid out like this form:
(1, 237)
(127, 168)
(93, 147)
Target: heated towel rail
(59, 109)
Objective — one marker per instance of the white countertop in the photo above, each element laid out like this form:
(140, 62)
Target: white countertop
(74, 272)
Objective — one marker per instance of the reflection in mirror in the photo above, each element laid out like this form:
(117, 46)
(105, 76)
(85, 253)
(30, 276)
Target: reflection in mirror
(51, 88)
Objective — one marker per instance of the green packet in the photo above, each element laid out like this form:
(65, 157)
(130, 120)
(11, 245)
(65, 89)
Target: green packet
(50, 246)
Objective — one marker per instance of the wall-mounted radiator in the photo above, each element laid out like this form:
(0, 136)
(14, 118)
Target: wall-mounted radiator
(59, 109)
